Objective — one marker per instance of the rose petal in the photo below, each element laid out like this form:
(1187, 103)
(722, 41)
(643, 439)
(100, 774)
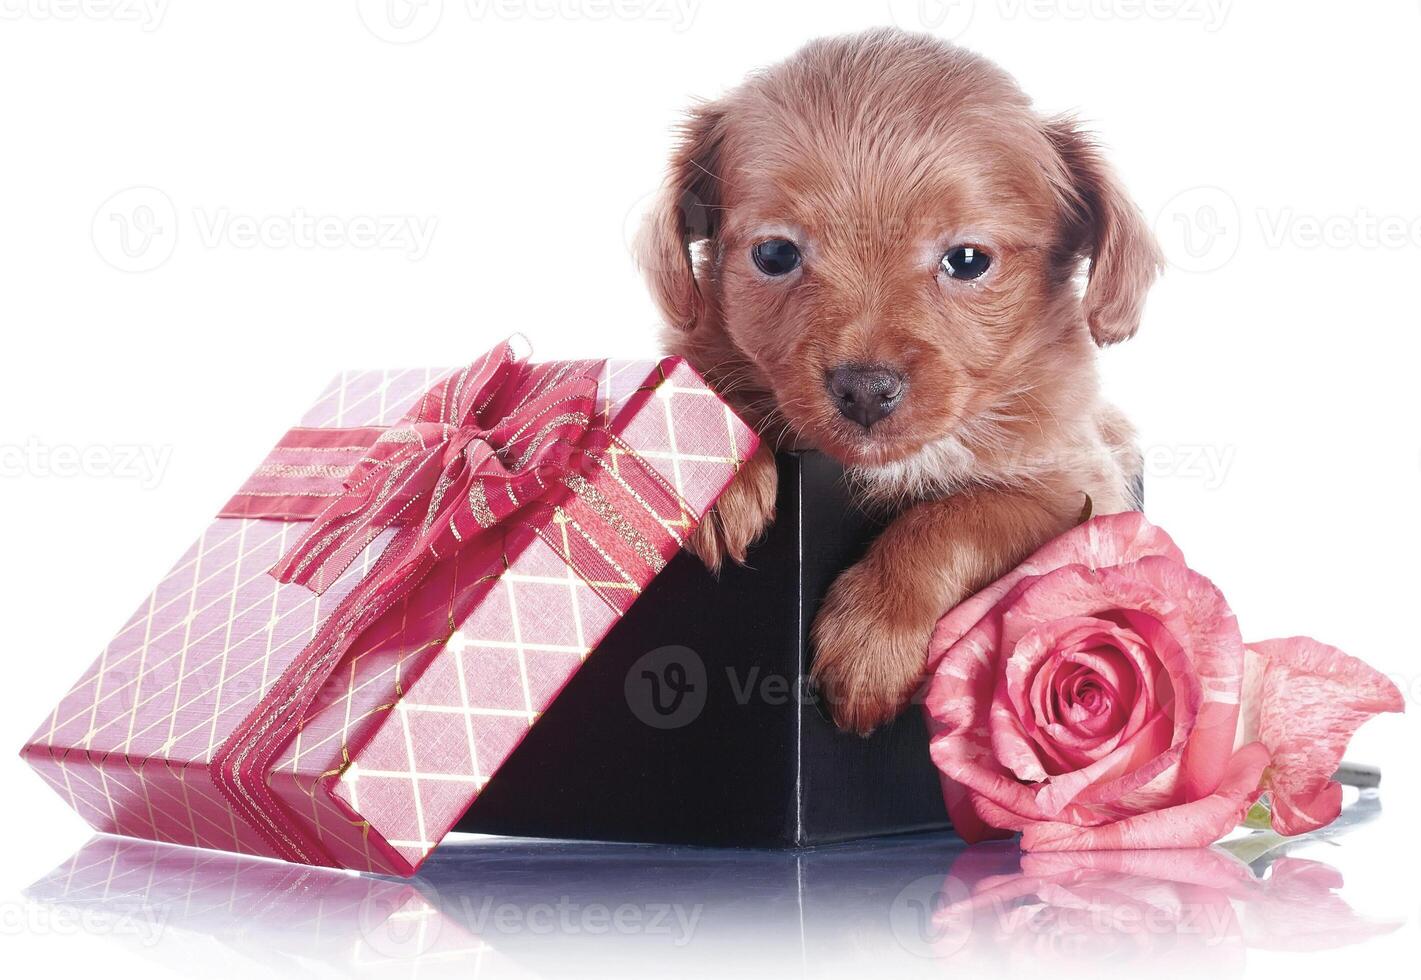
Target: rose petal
(1179, 601)
(958, 704)
(1097, 543)
(1013, 719)
(1306, 701)
(959, 695)
(1191, 632)
(1086, 734)
(966, 822)
(966, 758)
(1101, 542)
(1215, 651)
(1150, 745)
(1013, 749)
(980, 791)
(1196, 824)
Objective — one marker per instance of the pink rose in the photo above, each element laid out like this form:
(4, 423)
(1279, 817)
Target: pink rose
(1100, 696)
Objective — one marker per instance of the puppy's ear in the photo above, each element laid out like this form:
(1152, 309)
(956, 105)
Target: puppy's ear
(684, 213)
(1104, 224)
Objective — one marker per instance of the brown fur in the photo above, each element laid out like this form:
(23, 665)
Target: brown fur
(875, 153)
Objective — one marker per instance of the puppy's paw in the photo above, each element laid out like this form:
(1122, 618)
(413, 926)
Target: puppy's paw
(870, 650)
(740, 515)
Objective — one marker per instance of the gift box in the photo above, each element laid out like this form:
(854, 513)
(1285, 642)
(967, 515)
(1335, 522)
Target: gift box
(696, 722)
(350, 651)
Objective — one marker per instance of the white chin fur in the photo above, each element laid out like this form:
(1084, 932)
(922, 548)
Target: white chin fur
(938, 469)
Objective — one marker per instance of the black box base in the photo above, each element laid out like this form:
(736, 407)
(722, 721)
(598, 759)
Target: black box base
(693, 723)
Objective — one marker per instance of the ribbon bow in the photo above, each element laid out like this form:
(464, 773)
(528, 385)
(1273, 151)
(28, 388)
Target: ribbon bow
(500, 445)
(482, 445)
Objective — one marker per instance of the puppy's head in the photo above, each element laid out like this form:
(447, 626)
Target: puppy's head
(878, 238)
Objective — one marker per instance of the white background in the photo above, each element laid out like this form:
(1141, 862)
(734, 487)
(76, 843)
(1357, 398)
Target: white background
(1274, 380)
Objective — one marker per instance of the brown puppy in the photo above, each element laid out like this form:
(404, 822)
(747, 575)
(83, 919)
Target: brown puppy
(871, 250)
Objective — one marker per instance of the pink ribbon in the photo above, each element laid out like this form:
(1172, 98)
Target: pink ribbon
(500, 445)
(476, 448)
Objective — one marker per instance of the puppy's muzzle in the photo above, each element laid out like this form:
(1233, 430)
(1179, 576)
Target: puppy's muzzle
(865, 394)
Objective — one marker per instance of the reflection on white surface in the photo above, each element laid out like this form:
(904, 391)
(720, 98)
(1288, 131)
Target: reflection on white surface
(919, 906)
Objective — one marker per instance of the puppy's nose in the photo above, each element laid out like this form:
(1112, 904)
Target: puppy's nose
(865, 394)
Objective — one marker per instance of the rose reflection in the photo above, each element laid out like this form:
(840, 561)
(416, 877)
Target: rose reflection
(912, 906)
(1087, 910)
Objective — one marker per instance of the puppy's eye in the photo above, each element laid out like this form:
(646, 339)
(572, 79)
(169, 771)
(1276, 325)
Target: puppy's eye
(776, 256)
(965, 262)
